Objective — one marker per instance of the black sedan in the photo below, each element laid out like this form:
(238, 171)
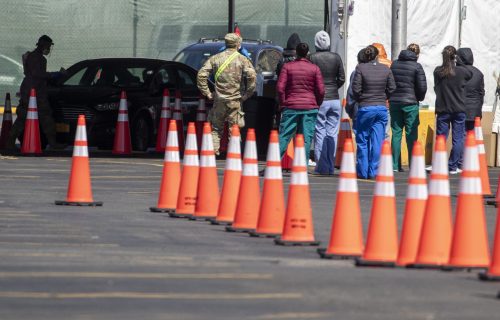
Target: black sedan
(93, 87)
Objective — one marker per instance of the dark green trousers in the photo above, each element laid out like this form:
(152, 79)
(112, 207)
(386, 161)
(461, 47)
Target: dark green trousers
(403, 116)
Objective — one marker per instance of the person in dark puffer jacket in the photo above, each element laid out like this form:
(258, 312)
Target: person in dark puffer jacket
(301, 91)
(372, 85)
(449, 85)
(411, 87)
(330, 111)
(474, 88)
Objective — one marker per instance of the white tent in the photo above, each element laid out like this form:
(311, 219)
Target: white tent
(433, 24)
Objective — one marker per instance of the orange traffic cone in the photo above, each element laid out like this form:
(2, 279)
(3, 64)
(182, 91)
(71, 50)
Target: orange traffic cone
(201, 118)
(346, 239)
(435, 236)
(416, 198)
(493, 273)
(298, 229)
(177, 116)
(272, 205)
(382, 241)
(485, 179)
(208, 182)
(287, 161)
(247, 208)
(469, 247)
(31, 139)
(186, 200)
(345, 132)
(122, 144)
(224, 140)
(497, 196)
(232, 179)
(79, 188)
(171, 177)
(163, 127)
(6, 122)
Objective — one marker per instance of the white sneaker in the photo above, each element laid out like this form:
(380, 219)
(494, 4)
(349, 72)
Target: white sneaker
(456, 171)
(311, 163)
(429, 168)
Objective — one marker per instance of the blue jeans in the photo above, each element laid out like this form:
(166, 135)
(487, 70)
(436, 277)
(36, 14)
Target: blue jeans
(297, 121)
(371, 122)
(457, 121)
(326, 135)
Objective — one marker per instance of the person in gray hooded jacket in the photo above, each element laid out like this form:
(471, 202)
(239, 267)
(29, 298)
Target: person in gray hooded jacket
(330, 111)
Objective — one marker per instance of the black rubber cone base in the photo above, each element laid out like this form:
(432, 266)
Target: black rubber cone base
(79, 204)
(489, 196)
(424, 266)
(220, 223)
(162, 210)
(322, 253)
(462, 268)
(200, 218)
(360, 262)
(492, 203)
(286, 243)
(484, 276)
(179, 215)
(240, 230)
(264, 235)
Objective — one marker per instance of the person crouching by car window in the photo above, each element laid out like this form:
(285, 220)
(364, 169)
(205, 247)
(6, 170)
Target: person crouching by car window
(301, 91)
(373, 84)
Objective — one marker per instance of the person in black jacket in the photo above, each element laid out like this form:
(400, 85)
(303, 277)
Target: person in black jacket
(474, 88)
(372, 85)
(449, 85)
(411, 87)
(330, 111)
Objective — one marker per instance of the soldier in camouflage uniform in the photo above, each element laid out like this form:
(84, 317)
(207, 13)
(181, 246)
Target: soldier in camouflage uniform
(228, 67)
(35, 77)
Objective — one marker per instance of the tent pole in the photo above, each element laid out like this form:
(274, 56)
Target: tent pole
(398, 27)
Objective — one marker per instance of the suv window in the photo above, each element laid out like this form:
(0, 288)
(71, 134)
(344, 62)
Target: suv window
(185, 80)
(82, 77)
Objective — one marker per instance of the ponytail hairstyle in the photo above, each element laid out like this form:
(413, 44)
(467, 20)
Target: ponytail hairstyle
(447, 69)
(370, 53)
(413, 47)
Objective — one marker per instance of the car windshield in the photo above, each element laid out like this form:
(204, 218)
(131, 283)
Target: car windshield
(196, 57)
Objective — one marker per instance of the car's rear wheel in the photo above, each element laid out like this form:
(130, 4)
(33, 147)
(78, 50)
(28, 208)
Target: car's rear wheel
(142, 133)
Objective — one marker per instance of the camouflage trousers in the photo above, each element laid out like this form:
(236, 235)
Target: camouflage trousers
(222, 111)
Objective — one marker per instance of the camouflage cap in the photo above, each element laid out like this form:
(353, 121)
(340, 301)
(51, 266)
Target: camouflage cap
(232, 40)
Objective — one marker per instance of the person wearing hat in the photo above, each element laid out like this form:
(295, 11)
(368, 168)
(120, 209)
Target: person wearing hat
(330, 111)
(228, 68)
(289, 53)
(35, 77)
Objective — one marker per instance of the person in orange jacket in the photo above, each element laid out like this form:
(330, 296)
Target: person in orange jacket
(382, 54)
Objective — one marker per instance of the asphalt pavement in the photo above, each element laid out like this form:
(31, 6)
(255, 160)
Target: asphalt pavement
(121, 261)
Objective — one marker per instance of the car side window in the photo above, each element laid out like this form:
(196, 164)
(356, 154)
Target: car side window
(186, 81)
(165, 77)
(79, 78)
(268, 60)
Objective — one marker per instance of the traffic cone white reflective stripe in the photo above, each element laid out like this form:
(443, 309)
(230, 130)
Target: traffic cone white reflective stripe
(470, 180)
(172, 149)
(191, 152)
(384, 182)
(201, 112)
(273, 165)
(233, 159)
(417, 187)
(166, 111)
(207, 158)
(80, 149)
(7, 114)
(483, 164)
(177, 114)
(348, 179)
(250, 163)
(123, 110)
(440, 163)
(479, 139)
(32, 109)
(345, 125)
(299, 169)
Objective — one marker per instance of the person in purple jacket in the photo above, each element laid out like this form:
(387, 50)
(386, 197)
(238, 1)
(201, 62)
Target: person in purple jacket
(300, 91)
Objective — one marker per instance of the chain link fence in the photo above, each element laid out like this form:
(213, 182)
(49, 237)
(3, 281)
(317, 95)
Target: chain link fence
(143, 28)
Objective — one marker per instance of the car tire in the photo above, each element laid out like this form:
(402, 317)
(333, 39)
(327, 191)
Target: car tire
(142, 133)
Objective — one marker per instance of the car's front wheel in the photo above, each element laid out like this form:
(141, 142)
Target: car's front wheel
(142, 133)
